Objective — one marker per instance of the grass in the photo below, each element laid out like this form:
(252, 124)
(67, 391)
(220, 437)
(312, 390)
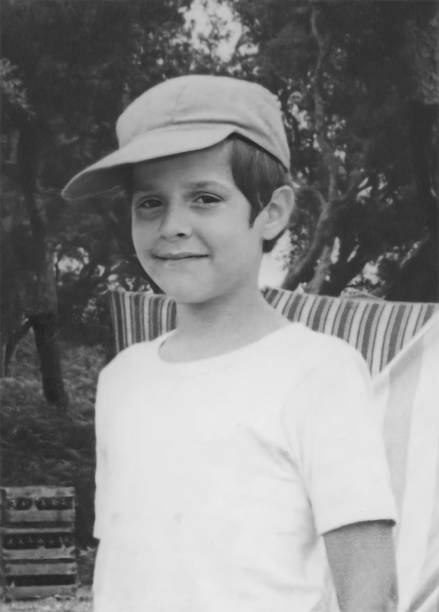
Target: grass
(80, 603)
(43, 446)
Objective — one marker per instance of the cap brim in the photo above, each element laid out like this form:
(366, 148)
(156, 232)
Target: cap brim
(103, 176)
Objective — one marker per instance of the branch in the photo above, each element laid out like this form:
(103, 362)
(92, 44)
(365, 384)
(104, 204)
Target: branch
(344, 271)
(317, 283)
(424, 158)
(323, 239)
(324, 232)
(421, 53)
(355, 180)
(324, 47)
(323, 235)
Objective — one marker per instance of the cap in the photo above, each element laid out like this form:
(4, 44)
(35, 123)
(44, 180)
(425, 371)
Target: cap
(186, 114)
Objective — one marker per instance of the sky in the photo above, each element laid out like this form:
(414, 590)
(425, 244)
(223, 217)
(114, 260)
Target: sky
(198, 14)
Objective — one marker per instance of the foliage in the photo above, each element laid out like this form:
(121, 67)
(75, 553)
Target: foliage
(51, 604)
(359, 94)
(347, 80)
(11, 87)
(42, 446)
(76, 66)
(72, 60)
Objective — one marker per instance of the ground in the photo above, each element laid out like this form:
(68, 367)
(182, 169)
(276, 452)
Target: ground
(81, 603)
(43, 446)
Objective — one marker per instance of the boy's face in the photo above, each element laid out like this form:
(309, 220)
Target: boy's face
(190, 227)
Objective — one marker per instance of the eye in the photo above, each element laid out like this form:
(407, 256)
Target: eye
(147, 204)
(207, 199)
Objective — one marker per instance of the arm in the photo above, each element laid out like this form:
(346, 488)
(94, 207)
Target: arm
(362, 562)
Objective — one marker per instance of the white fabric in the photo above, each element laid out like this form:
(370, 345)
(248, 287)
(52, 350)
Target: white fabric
(216, 478)
(407, 397)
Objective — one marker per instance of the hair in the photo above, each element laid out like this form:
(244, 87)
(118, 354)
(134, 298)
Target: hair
(257, 174)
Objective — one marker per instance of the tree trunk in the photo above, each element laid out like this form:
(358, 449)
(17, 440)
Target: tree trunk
(12, 342)
(42, 304)
(44, 326)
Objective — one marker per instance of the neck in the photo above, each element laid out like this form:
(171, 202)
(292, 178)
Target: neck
(218, 314)
(222, 325)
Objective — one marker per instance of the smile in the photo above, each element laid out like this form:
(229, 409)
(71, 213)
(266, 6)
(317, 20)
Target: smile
(178, 256)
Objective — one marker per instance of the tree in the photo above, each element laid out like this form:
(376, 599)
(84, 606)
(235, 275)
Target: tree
(69, 61)
(418, 275)
(347, 75)
(358, 87)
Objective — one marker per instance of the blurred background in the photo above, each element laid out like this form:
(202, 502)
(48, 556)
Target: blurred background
(358, 82)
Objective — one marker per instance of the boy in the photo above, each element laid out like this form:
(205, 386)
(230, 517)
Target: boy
(237, 455)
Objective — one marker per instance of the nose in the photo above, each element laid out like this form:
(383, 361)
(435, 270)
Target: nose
(175, 221)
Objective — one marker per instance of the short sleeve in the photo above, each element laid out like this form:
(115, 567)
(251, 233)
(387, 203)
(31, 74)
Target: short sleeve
(336, 441)
(101, 475)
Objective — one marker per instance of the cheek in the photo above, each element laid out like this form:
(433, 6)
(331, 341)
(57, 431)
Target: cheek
(239, 242)
(140, 235)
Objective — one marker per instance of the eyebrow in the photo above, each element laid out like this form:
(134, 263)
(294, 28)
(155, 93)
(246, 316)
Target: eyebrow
(193, 185)
(205, 184)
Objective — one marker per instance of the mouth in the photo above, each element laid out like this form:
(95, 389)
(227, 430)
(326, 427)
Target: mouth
(178, 256)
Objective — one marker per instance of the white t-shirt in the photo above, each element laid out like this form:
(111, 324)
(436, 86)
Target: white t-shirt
(216, 478)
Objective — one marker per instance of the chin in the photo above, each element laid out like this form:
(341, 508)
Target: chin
(187, 294)
(184, 297)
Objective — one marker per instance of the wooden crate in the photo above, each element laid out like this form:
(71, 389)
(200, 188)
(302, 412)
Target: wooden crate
(37, 549)
(38, 505)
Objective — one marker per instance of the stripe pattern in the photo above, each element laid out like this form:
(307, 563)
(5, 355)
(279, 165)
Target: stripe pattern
(378, 329)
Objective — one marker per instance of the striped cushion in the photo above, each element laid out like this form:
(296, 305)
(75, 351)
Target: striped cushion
(378, 329)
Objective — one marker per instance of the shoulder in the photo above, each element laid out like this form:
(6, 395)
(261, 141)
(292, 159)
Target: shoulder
(126, 376)
(333, 382)
(319, 353)
(133, 358)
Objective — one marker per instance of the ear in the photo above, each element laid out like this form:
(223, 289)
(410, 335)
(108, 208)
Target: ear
(275, 216)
